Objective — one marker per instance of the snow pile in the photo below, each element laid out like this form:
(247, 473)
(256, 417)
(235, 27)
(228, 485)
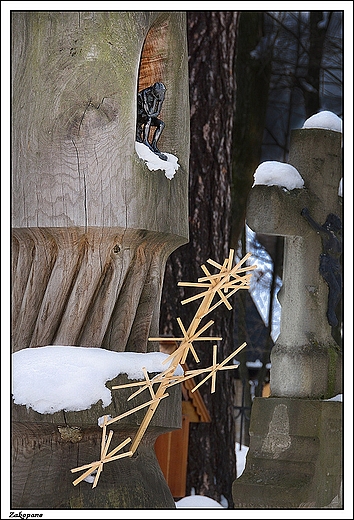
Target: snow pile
(241, 454)
(194, 501)
(197, 501)
(154, 162)
(274, 173)
(326, 120)
(53, 378)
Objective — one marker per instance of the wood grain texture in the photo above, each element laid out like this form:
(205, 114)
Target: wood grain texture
(75, 84)
(46, 446)
(94, 288)
(80, 191)
(92, 227)
(41, 462)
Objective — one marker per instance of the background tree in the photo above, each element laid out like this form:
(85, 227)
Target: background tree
(212, 44)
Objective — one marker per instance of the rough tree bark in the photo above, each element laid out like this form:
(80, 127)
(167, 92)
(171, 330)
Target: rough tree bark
(253, 70)
(317, 39)
(212, 41)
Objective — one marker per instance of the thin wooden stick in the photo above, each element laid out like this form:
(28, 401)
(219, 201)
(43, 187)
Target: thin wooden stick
(228, 296)
(183, 346)
(148, 384)
(85, 466)
(231, 257)
(233, 353)
(192, 350)
(177, 354)
(181, 326)
(195, 297)
(121, 445)
(103, 438)
(104, 458)
(146, 420)
(125, 414)
(218, 366)
(197, 372)
(202, 381)
(184, 378)
(87, 473)
(192, 284)
(107, 444)
(116, 457)
(97, 476)
(213, 283)
(225, 275)
(213, 380)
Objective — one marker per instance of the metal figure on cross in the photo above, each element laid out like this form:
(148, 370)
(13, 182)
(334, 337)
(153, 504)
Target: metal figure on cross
(330, 259)
(150, 102)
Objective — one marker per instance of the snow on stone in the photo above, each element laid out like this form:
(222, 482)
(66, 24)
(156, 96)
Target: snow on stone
(326, 120)
(274, 173)
(338, 397)
(154, 162)
(53, 378)
(340, 188)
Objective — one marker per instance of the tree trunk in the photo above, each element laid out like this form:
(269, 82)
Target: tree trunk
(315, 55)
(253, 70)
(212, 41)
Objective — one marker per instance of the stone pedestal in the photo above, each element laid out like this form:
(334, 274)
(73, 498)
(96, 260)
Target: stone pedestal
(46, 447)
(295, 455)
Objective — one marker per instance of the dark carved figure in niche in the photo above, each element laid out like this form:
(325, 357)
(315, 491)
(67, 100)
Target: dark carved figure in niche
(149, 106)
(330, 259)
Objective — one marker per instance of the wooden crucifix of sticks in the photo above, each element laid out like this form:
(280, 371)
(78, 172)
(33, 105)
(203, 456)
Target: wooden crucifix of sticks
(221, 285)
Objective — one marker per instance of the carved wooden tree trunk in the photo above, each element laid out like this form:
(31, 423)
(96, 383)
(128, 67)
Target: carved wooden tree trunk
(92, 225)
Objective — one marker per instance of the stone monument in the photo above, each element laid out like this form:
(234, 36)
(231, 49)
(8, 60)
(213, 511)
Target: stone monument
(294, 458)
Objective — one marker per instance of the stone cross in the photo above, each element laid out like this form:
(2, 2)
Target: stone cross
(305, 361)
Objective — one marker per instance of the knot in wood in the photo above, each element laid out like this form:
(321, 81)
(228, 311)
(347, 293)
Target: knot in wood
(70, 433)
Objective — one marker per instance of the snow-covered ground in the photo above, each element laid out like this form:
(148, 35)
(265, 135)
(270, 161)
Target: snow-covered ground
(198, 501)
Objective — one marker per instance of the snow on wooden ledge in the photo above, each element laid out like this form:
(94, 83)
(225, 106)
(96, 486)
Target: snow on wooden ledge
(154, 162)
(70, 378)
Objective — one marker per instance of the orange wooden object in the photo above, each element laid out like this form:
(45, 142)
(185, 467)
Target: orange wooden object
(172, 453)
(172, 448)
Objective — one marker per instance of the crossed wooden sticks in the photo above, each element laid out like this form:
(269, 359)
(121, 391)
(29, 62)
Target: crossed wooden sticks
(105, 457)
(223, 284)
